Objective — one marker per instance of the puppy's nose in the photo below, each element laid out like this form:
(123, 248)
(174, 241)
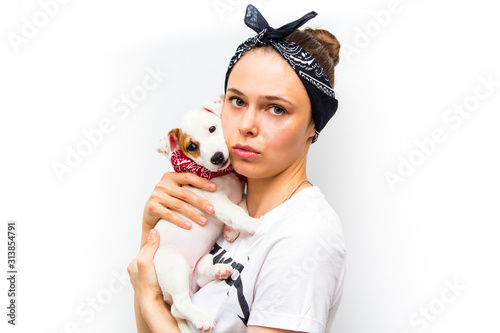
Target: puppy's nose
(218, 158)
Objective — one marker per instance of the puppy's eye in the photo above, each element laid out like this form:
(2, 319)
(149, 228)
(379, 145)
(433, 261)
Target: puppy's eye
(212, 129)
(192, 147)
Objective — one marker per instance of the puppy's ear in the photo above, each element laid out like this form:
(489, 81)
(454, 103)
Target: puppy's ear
(169, 142)
(173, 139)
(215, 105)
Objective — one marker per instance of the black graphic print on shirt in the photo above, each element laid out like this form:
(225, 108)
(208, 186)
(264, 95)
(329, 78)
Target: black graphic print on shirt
(219, 258)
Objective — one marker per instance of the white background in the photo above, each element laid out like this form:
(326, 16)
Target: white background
(406, 245)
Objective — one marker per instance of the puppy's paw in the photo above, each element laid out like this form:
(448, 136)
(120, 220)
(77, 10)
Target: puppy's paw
(231, 234)
(204, 324)
(252, 225)
(222, 271)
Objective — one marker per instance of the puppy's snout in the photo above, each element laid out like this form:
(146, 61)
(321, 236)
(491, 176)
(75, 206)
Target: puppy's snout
(218, 158)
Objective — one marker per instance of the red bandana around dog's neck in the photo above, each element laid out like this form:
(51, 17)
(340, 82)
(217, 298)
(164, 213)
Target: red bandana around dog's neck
(182, 163)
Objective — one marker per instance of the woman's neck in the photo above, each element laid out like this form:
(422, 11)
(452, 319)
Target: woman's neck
(265, 194)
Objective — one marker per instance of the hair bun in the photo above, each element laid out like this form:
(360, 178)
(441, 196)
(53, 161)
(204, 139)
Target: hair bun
(329, 42)
(322, 45)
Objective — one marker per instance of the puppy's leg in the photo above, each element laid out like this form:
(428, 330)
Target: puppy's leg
(201, 320)
(207, 271)
(231, 233)
(233, 215)
(173, 277)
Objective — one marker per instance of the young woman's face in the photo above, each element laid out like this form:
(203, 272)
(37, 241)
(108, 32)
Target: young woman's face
(266, 117)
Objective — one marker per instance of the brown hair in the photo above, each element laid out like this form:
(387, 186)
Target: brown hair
(322, 45)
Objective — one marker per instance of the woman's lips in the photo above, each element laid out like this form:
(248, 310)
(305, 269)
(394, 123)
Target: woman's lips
(246, 152)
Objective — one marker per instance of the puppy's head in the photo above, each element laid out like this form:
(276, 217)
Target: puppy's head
(200, 137)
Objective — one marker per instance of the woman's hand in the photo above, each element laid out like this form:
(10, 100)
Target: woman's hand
(169, 196)
(152, 313)
(142, 271)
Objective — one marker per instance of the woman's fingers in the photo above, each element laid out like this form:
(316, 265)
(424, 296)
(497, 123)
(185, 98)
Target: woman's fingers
(141, 270)
(188, 196)
(184, 200)
(187, 178)
(161, 211)
(169, 198)
(147, 253)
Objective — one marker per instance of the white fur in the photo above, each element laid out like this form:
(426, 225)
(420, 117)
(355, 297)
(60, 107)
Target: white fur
(182, 262)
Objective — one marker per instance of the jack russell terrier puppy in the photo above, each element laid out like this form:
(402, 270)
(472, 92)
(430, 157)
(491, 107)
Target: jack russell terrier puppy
(183, 263)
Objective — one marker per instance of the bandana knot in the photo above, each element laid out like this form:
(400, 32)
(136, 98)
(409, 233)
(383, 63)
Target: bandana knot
(258, 23)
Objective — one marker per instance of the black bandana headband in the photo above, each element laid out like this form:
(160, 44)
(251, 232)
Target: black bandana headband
(323, 102)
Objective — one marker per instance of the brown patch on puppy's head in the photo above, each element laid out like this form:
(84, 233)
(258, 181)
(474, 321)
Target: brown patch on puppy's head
(177, 139)
(189, 145)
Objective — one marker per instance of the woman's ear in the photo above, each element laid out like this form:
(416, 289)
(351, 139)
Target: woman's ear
(169, 142)
(311, 130)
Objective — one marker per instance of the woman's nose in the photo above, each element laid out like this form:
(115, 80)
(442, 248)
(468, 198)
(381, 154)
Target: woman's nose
(249, 122)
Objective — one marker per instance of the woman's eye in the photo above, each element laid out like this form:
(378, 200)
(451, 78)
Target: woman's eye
(277, 110)
(236, 101)
(212, 129)
(192, 147)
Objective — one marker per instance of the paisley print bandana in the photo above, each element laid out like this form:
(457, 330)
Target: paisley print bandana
(182, 163)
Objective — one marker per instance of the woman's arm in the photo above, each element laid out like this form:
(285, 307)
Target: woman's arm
(142, 326)
(154, 316)
(152, 313)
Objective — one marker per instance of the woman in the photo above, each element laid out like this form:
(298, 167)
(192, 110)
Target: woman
(288, 276)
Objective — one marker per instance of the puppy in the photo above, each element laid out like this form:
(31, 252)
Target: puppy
(183, 263)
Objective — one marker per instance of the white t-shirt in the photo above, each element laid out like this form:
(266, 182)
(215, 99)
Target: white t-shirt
(289, 275)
